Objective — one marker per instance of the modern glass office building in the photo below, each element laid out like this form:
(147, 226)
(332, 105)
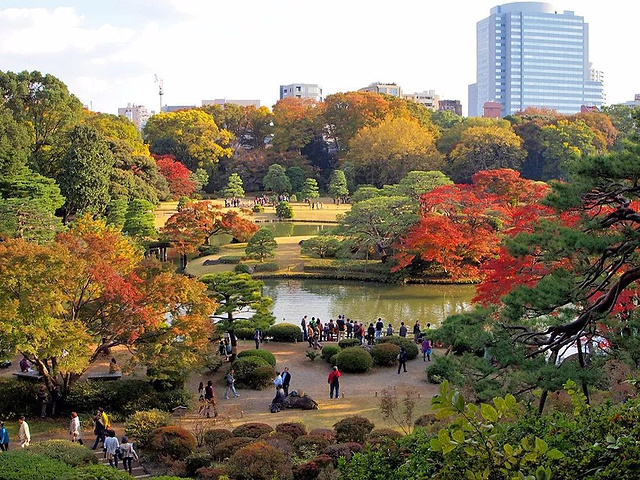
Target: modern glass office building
(532, 55)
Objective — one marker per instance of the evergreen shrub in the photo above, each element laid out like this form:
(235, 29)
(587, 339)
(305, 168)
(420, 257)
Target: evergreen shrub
(384, 354)
(407, 343)
(252, 429)
(354, 360)
(266, 267)
(173, 442)
(285, 332)
(329, 351)
(353, 429)
(73, 454)
(269, 357)
(140, 424)
(253, 372)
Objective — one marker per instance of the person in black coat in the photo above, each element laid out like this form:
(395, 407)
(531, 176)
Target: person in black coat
(286, 381)
(402, 360)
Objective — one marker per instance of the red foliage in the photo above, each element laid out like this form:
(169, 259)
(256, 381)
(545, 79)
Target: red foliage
(176, 174)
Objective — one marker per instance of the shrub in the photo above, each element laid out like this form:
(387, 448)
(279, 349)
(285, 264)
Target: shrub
(285, 332)
(230, 259)
(334, 359)
(253, 372)
(266, 267)
(259, 461)
(442, 368)
(281, 441)
(284, 210)
(407, 343)
(196, 461)
(269, 357)
(228, 447)
(354, 359)
(329, 351)
(216, 436)
(348, 342)
(21, 465)
(353, 429)
(313, 468)
(293, 429)
(244, 333)
(252, 430)
(96, 472)
(426, 420)
(382, 433)
(140, 425)
(173, 442)
(314, 444)
(342, 450)
(327, 433)
(384, 354)
(219, 472)
(258, 208)
(205, 250)
(241, 268)
(73, 454)
(18, 398)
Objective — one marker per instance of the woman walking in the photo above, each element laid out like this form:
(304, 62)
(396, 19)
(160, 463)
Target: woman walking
(127, 453)
(426, 350)
(74, 428)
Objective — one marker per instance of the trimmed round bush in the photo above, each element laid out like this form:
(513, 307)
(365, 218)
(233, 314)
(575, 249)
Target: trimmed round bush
(329, 351)
(281, 441)
(21, 465)
(334, 359)
(354, 360)
(293, 429)
(353, 429)
(266, 267)
(407, 343)
(73, 454)
(215, 436)
(269, 357)
(227, 448)
(253, 372)
(252, 429)
(285, 332)
(205, 250)
(314, 444)
(195, 461)
(173, 442)
(242, 268)
(344, 450)
(327, 433)
(140, 425)
(258, 208)
(260, 461)
(384, 354)
(382, 433)
(96, 472)
(312, 469)
(244, 333)
(348, 342)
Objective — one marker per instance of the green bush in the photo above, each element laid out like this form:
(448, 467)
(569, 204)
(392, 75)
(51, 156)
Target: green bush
(140, 425)
(174, 443)
(260, 461)
(354, 360)
(22, 465)
(204, 250)
(266, 267)
(73, 454)
(216, 436)
(269, 357)
(284, 210)
(196, 461)
(329, 351)
(442, 368)
(18, 398)
(306, 444)
(334, 359)
(349, 342)
(353, 429)
(384, 354)
(230, 259)
(293, 429)
(285, 332)
(258, 208)
(96, 472)
(242, 268)
(378, 434)
(253, 372)
(252, 430)
(228, 447)
(407, 343)
(244, 333)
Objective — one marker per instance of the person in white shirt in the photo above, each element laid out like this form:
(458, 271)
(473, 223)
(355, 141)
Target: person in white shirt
(24, 435)
(74, 428)
(111, 446)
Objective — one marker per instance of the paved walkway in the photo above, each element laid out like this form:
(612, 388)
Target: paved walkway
(137, 470)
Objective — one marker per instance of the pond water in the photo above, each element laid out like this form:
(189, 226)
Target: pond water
(281, 229)
(365, 301)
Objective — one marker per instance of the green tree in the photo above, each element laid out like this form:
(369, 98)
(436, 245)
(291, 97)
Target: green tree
(284, 210)
(234, 188)
(338, 186)
(417, 183)
(261, 245)
(139, 220)
(199, 178)
(276, 179)
(85, 172)
(116, 212)
(296, 178)
(14, 143)
(563, 141)
(310, 189)
(321, 246)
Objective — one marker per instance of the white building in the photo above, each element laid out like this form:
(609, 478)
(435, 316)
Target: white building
(384, 88)
(137, 114)
(428, 98)
(302, 90)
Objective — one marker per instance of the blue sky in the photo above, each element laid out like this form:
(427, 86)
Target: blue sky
(108, 51)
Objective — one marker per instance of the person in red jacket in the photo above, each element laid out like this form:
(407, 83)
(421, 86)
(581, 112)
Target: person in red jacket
(334, 382)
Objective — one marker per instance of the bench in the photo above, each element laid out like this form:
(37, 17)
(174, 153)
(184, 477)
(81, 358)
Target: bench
(105, 376)
(29, 375)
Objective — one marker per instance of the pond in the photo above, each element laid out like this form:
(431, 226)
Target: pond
(281, 229)
(364, 301)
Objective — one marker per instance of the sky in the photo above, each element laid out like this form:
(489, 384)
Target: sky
(109, 51)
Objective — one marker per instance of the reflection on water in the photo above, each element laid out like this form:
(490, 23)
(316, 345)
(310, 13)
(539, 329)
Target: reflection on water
(280, 229)
(366, 301)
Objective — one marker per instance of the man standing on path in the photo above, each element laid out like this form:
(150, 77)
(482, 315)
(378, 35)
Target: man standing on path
(379, 327)
(256, 338)
(402, 360)
(286, 381)
(403, 330)
(349, 328)
(303, 324)
(24, 435)
(230, 385)
(341, 327)
(334, 382)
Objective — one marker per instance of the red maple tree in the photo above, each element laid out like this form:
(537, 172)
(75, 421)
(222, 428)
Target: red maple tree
(176, 174)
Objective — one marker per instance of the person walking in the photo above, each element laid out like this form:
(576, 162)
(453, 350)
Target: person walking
(403, 330)
(75, 429)
(98, 428)
(334, 382)
(256, 338)
(286, 381)
(310, 333)
(230, 385)
(43, 400)
(426, 350)
(127, 453)
(201, 392)
(402, 360)
(24, 434)
(111, 446)
(4, 438)
(210, 398)
(416, 332)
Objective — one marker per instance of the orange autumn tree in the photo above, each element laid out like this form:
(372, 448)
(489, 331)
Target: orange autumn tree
(63, 304)
(461, 226)
(196, 222)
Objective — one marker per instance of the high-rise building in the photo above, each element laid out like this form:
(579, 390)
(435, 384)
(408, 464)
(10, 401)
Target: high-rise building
(302, 90)
(386, 88)
(531, 54)
(137, 114)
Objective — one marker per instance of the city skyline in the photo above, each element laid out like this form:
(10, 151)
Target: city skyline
(108, 53)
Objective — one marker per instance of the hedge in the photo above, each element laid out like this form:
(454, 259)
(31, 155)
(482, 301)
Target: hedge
(230, 259)
(244, 333)
(384, 354)
(228, 447)
(260, 461)
(252, 429)
(72, 454)
(269, 357)
(266, 267)
(293, 429)
(23, 465)
(285, 332)
(407, 343)
(242, 268)
(329, 351)
(354, 360)
(96, 472)
(175, 443)
(216, 436)
(253, 372)
(348, 342)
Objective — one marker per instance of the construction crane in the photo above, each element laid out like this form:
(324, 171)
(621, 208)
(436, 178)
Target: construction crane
(160, 89)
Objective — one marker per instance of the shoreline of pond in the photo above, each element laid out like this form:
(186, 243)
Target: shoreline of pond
(357, 277)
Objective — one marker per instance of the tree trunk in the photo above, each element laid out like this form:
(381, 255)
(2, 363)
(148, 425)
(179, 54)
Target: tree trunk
(581, 361)
(545, 392)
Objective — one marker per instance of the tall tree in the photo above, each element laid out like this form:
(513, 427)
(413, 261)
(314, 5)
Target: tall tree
(14, 143)
(234, 188)
(563, 141)
(309, 189)
(417, 183)
(178, 176)
(276, 179)
(85, 172)
(338, 186)
(138, 221)
(294, 123)
(295, 175)
(261, 245)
